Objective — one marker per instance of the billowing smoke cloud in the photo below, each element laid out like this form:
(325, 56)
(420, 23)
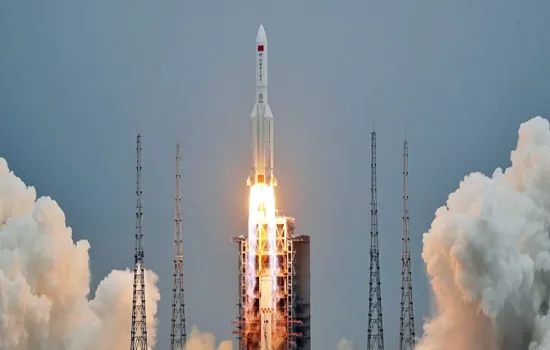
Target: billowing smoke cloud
(198, 340)
(45, 281)
(488, 255)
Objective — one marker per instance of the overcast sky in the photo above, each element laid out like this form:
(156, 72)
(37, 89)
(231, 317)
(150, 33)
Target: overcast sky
(75, 76)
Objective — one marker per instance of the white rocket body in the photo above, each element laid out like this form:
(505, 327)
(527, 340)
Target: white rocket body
(261, 121)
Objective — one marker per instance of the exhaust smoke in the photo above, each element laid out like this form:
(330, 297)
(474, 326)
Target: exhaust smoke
(45, 281)
(487, 255)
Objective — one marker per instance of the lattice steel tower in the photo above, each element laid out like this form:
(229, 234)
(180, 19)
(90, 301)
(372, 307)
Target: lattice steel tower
(375, 338)
(178, 335)
(406, 333)
(139, 323)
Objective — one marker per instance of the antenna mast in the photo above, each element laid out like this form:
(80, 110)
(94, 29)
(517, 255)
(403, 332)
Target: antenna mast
(376, 329)
(178, 335)
(139, 323)
(406, 333)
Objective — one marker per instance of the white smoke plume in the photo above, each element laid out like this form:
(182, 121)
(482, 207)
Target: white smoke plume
(198, 340)
(205, 341)
(45, 281)
(488, 255)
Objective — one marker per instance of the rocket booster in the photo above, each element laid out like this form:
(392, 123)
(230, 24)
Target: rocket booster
(261, 138)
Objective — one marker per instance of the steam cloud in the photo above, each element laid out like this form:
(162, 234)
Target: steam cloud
(45, 281)
(488, 255)
(205, 341)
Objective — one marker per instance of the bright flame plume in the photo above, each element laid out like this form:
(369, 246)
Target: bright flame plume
(261, 237)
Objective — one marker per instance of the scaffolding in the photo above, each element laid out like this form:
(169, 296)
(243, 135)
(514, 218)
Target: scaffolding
(292, 307)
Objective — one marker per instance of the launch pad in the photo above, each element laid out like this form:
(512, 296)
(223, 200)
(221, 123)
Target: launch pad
(291, 317)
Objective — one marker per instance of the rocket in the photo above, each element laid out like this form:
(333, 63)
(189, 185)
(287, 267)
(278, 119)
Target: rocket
(261, 118)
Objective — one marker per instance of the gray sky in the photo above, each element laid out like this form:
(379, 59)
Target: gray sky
(75, 76)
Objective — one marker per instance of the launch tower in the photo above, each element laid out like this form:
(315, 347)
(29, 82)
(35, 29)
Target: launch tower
(138, 339)
(292, 314)
(406, 332)
(375, 333)
(178, 332)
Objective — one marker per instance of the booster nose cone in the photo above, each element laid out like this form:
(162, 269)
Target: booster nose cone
(261, 38)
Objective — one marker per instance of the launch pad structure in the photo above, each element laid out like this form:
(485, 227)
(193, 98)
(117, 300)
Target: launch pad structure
(292, 314)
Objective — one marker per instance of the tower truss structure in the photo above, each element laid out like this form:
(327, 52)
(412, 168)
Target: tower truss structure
(406, 332)
(178, 332)
(293, 330)
(138, 340)
(375, 333)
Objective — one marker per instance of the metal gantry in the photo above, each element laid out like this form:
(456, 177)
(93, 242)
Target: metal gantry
(138, 339)
(406, 332)
(293, 316)
(178, 333)
(375, 334)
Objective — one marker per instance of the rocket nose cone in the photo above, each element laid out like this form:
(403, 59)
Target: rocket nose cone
(261, 37)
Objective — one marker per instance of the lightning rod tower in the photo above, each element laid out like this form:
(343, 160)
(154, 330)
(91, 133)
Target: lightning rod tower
(139, 323)
(375, 336)
(406, 333)
(178, 334)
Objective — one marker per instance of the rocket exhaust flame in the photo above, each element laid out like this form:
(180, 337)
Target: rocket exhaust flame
(261, 235)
